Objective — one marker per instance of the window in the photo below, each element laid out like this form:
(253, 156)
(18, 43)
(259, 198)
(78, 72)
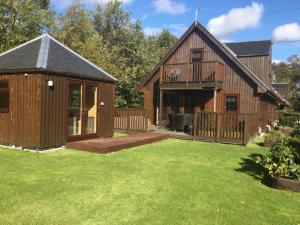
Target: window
(231, 103)
(196, 55)
(4, 96)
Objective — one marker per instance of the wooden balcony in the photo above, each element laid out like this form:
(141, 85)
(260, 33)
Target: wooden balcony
(193, 76)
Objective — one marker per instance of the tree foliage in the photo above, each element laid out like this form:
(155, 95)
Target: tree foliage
(22, 20)
(290, 73)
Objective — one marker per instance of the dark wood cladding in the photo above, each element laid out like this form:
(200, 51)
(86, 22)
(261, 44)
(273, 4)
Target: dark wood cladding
(53, 111)
(38, 113)
(21, 125)
(234, 80)
(106, 112)
(260, 65)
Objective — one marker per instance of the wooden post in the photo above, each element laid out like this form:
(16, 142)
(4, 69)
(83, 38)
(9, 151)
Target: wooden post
(160, 107)
(188, 75)
(128, 121)
(216, 127)
(160, 96)
(195, 126)
(215, 100)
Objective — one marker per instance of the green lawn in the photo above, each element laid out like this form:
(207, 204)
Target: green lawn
(170, 182)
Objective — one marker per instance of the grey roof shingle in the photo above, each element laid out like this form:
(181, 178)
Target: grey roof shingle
(47, 54)
(250, 48)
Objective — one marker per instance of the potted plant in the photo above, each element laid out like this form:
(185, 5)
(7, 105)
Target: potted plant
(282, 165)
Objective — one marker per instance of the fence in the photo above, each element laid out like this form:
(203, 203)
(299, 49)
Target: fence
(130, 119)
(225, 127)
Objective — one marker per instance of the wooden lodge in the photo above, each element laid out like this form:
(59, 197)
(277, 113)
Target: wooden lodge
(50, 95)
(226, 87)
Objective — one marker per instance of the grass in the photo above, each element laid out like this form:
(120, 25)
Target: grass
(120, 134)
(173, 182)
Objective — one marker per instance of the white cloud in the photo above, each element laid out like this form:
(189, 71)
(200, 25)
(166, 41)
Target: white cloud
(177, 29)
(236, 19)
(152, 30)
(169, 6)
(277, 61)
(226, 40)
(287, 32)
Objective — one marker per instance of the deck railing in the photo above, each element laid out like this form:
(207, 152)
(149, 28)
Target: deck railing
(210, 71)
(130, 119)
(225, 127)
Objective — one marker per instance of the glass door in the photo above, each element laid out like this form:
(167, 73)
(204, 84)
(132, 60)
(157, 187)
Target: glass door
(90, 109)
(75, 109)
(82, 110)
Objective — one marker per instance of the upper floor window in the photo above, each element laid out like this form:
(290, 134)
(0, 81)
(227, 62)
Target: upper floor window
(231, 103)
(4, 96)
(196, 55)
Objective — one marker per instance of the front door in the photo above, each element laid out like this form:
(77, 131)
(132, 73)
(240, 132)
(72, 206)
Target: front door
(82, 110)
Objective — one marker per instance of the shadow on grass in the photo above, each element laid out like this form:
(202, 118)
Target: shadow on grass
(253, 169)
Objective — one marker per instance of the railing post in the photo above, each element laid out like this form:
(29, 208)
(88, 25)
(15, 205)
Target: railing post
(216, 127)
(188, 74)
(128, 121)
(194, 125)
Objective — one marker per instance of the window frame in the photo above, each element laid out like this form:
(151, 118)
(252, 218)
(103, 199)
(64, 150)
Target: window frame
(5, 90)
(237, 102)
(196, 50)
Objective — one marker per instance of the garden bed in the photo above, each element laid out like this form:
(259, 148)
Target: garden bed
(285, 184)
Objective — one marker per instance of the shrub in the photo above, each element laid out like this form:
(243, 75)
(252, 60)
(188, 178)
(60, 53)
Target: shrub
(271, 137)
(280, 161)
(294, 142)
(288, 119)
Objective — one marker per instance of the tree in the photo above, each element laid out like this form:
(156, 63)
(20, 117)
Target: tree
(75, 29)
(21, 21)
(290, 73)
(165, 41)
(128, 50)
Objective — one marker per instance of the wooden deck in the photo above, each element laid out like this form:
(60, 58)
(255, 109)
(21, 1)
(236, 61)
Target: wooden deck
(106, 145)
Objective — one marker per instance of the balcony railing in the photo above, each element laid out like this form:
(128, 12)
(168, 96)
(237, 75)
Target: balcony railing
(194, 75)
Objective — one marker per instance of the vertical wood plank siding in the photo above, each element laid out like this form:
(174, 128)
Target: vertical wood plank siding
(260, 65)
(38, 114)
(53, 111)
(106, 112)
(21, 125)
(234, 80)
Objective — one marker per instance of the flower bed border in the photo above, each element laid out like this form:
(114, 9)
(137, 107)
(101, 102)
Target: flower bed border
(285, 184)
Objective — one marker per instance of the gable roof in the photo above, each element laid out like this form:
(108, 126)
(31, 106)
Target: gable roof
(225, 49)
(45, 53)
(250, 48)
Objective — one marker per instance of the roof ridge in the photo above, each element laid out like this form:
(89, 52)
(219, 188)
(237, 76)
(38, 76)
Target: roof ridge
(82, 58)
(42, 59)
(247, 41)
(22, 45)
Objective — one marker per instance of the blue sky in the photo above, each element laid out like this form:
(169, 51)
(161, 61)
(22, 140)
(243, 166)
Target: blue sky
(235, 20)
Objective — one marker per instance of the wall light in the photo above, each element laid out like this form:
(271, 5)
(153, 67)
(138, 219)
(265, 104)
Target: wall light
(50, 83)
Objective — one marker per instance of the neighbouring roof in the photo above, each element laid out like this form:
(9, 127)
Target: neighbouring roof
(44, 53)
(227, 51)
(250, 48)
(280, 85)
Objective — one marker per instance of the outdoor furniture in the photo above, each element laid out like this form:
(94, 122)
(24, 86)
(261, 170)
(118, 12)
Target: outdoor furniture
(172, 121)
(188, 121)
(179, 122)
